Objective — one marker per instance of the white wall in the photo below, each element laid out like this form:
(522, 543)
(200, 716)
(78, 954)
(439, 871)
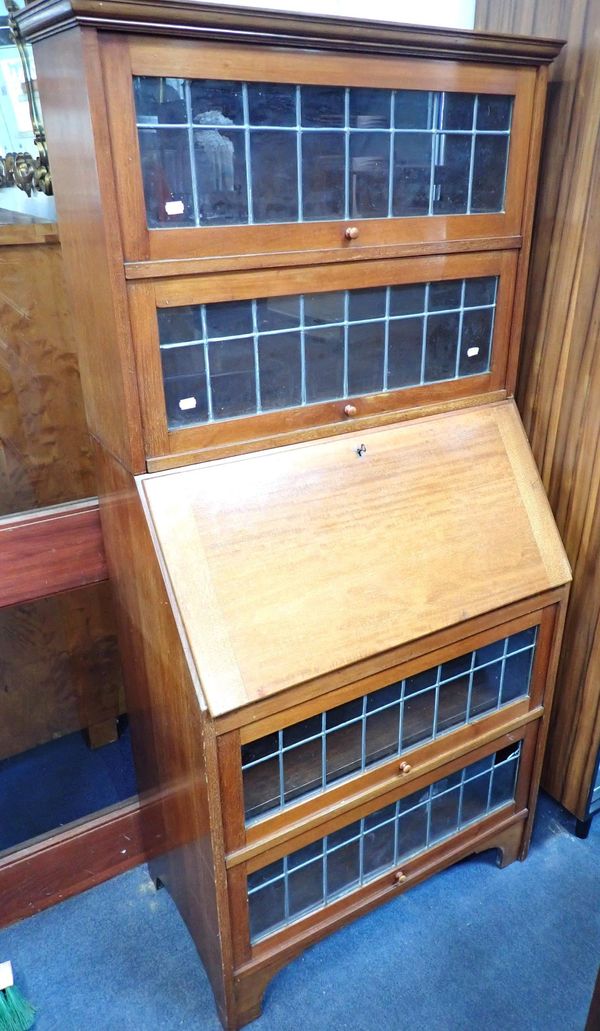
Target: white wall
(450, 13)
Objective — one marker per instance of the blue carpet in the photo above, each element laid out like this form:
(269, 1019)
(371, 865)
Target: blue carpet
(61, 781)
(473, 949)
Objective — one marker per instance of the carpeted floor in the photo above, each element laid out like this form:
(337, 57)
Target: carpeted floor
(94, 778)
(474, 949)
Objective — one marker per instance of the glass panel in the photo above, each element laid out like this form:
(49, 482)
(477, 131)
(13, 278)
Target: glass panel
(354, 854)
(271, 103)
(417, 723)
(448, 152)
(412, 832)
(369, 175)
(382, 734)
(261, 788)
(486, 688)
(302, 770)
(321, 749)
(489, 173)
(323, 106)
(232, 378)
(452, 705)
(442, 342)
(412, 174)
(324, 356)
(344, 749)
(267, 908)
(306, 888)
(517, 671)
(184, 375)
(220, 170)
(366, 347)
(379, 848)
(444, 814)
(274, 176)
(280, 370)
(476, 341)
(405, 353)
(166, 173)
(452, 175)
(323, 175)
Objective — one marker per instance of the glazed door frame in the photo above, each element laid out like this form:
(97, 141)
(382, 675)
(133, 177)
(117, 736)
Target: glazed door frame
(123, 57)
(236, 434)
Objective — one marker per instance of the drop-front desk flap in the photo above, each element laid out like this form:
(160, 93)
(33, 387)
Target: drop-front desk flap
(287, 564)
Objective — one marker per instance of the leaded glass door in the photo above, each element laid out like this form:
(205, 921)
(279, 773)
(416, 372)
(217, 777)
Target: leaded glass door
(223, 151)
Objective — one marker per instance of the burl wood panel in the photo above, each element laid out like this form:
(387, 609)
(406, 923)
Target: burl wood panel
(559, 385)
(45, 452)
(301, 553)
(59, 667)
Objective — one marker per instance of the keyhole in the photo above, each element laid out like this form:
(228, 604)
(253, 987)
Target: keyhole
(362, 450)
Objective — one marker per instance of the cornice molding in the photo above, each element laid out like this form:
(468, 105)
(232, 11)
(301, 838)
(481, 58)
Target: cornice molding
(198, 20)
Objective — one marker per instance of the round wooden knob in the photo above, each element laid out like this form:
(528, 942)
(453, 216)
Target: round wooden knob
(400, 877)
(350, 410)
(405, 767)
(351, 233)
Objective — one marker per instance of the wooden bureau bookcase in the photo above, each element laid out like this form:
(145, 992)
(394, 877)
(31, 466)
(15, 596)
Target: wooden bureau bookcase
(297, 251)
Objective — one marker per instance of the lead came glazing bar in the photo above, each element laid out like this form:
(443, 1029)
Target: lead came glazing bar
(313, 860)
(230, 165)
(376, 727)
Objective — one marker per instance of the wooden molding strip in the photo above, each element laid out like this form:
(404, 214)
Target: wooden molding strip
(50, 550)
(61, 865)
(242, 25)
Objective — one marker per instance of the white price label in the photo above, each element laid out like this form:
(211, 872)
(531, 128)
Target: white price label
(187, 403)
(472, 352)
(174, 207)
(6, 976)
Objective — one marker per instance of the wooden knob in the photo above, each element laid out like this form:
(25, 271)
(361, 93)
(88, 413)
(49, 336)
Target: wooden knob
(405, 767)
(400, 877)
(350, 410)
(351, 233)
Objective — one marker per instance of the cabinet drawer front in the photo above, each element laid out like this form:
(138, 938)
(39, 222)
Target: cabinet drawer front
(314, 876)
(299, 351)
(245, 153)
(312, 755)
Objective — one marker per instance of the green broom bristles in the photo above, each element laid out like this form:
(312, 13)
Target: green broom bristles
(16, 1014)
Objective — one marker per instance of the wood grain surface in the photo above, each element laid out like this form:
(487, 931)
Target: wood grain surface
(301, 554)
(559, 382)
(59, 667)
(45, 452)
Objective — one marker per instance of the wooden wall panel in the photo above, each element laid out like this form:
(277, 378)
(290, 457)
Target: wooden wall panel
(59, 667)
(559, 381)
(45, 451)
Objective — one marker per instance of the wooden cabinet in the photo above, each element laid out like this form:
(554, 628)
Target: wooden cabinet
(341, 591)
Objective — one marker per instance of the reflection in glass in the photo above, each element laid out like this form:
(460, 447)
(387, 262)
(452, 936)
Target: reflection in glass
(275, 152)
(347, 858)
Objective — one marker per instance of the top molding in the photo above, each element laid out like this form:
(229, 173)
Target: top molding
(198, 20)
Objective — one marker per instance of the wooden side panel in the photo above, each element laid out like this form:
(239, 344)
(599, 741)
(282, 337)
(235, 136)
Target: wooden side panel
(174, 749)
(42, 553)
(45, 452)
(559, 386)
(70, 83)
(71, 861)
(59, 667)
